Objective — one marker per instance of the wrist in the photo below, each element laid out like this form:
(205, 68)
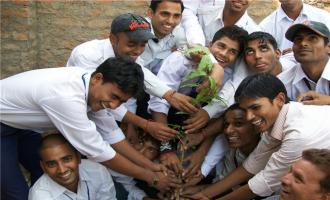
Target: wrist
(169, 95)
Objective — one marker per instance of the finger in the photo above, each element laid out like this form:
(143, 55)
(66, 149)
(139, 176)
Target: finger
(309, 102)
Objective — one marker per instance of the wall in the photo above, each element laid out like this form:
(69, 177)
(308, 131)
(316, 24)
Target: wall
(39, 34)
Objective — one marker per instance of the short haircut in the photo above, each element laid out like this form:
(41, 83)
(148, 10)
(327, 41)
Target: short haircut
(53, 140)
(234, 33)
(261, 85)
(154, 4)
(263, 37)
(127, 74)
(321, 159)
(234, 106)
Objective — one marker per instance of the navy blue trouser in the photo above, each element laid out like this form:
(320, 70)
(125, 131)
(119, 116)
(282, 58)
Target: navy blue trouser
(18, 147)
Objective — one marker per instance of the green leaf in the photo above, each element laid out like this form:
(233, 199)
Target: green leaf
(194, 74)
(191, 85)
(205, 64)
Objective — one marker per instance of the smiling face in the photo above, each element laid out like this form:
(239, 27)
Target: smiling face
(166, 17)
(309, 47)
(238, 5)
(261, 57)
(238, 131)
(225, 51)
(125, 47)
(104, 95)
(302, 182)
(261, 111)
(61, 163)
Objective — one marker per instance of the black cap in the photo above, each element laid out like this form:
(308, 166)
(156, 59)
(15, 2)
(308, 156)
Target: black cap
(136, 27)
(317, 27)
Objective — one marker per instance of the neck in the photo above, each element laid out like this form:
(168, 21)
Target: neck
(314, 70)
(247, 149)
(293, 11)
(277, 69)
(230, 17)
(73, 187)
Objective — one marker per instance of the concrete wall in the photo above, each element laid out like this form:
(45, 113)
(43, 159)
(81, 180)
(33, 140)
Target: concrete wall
(39, 34)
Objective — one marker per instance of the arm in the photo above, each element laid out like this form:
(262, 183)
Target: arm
(238, 176)
(314, 98)
(242, 193)
(125, 149)
(190, 23)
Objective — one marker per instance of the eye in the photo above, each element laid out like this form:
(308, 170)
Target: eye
(249, 52)
(67, 158)
(264, 48)
(51, 164)
(297, 39)
(221, 46)
(233, 52)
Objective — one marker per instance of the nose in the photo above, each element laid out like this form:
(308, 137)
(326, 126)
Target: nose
(229, 129)
(139, 49)
(249, 115)
(61, 168)
(285, 180)
(258, 54)
(114, 104)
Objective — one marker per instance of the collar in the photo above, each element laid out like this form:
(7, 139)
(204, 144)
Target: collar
(277, 130)
(166, 38)
(282, 15)
(300, 74)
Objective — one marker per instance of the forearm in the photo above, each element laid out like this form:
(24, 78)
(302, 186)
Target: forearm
(238, 176)
(214, 127)
(124, 166)
(159, 117)
(243, 193)
(135, 120)
(125, 149)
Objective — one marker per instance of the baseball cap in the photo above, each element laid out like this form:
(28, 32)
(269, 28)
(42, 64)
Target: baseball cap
(136, 27)
(317, 27)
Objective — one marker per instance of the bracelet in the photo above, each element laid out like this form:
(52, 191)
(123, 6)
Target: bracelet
(172, 93)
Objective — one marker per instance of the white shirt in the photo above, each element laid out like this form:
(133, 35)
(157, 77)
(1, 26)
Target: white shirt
(155, 52)
(298, 127)
(190, 21)
(277, 23)
(56, 98)
(294, 83)
(95, 183)
(91, 54)
(210, 20)
(134, 193)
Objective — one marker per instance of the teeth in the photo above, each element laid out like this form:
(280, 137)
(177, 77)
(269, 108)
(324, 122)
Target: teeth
(66, 174)
(257, 122)
(103, 105)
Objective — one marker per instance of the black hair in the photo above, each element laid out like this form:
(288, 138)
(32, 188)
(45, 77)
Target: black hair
(234, 106)
(234, 33)
(263, 37)
(154, 4)
(53, 140)
(261, 85)
(127, 74)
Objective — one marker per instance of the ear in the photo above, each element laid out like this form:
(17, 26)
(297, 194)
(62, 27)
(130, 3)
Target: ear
(113, 39)
(96, 78)
(278, 53)
(150, 13)
(328, 47)
(280, 99)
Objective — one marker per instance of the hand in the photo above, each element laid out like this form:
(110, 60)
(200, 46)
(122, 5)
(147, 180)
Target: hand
(286, 51)
(193, 180)
(199, 196)
(191, 190)
(217, 74)
(157, 167)
(180, 101)
(160, 131)
(171, 161)
(198, 121)
(195, 162)
(191, 140)
(314, 98)
(166, 181)
(197, 56)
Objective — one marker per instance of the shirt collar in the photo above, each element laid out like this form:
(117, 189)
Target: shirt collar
(54, 188)
(326, 71)
(300, 75)
(167, 37)
(277, 130)
(282, 15)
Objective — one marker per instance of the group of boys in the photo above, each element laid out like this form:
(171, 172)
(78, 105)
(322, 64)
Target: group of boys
(283, 85)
